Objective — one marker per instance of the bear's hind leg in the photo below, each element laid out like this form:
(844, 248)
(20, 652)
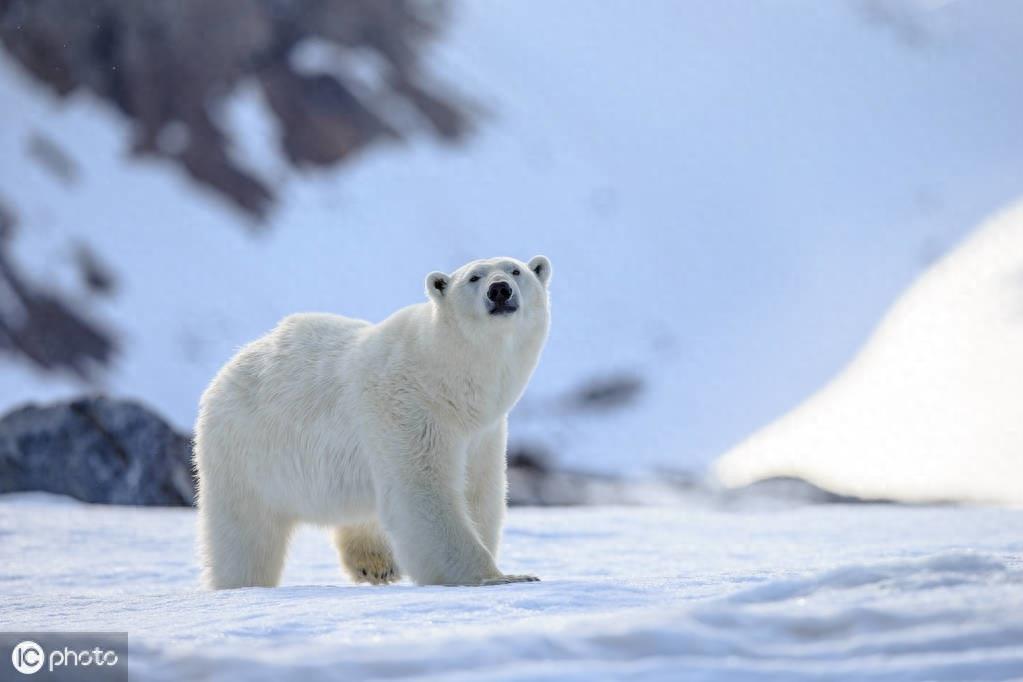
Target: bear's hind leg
(240, 545)
(366, 554)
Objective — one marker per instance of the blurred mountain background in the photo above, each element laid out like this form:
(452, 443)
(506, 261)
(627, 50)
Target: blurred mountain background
(731, 193)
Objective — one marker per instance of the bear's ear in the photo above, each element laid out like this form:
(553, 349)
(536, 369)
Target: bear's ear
(541, 267)
(437, 285)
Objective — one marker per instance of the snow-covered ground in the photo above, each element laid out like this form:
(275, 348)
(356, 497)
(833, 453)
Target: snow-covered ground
(932, 408)
(732, 193)
(865, 592)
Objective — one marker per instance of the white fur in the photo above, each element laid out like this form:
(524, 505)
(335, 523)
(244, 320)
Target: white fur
(395, 433)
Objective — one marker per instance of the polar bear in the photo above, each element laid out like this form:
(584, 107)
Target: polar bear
(394, 434)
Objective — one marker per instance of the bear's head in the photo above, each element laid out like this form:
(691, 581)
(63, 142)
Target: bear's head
(496, 291)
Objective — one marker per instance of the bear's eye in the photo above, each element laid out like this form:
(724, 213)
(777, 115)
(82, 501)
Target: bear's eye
(474, 278)
(516, 272)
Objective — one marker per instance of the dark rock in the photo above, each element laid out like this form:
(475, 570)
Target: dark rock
(533, 482)
(54, 159)
(97, 450)
(39, 327)
(529, 458)
(605, 393)
(529, 487)
(171, 65)
(96, 276)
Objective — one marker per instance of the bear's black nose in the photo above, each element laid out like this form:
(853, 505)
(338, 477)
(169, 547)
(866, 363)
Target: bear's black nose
(499, 292)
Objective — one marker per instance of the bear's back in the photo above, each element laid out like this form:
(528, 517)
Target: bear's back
(311, 348)
(303, 355)
(316, 333)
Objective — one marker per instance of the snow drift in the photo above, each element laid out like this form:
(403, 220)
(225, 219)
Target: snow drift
(932, 408)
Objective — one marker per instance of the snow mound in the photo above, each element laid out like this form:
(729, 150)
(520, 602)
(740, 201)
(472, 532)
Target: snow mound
(865, 592)
(930, 410)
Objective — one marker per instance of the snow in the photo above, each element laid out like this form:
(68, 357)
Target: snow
(717, 174)
(866, 592)
(748, 187)
(930, 409)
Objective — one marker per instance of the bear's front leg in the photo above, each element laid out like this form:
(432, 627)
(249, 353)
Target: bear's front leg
(486, 491)
(422, 507)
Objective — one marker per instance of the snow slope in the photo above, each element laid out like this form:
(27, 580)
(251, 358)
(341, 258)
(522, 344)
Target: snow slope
(709, 179)
(823, 592)
(932, 407)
